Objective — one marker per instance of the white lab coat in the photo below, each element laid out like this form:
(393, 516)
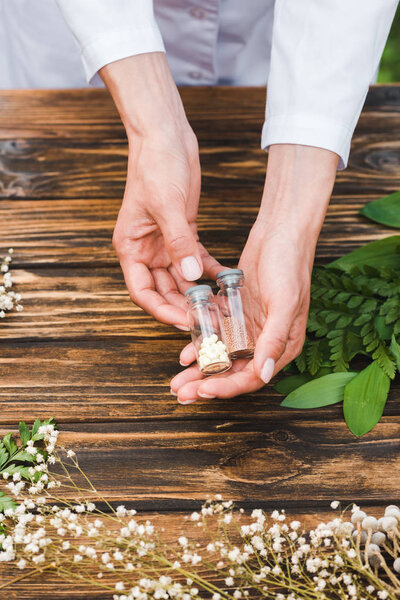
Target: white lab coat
(318, 56)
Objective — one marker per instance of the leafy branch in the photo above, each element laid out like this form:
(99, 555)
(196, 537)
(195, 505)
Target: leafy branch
(354, 310)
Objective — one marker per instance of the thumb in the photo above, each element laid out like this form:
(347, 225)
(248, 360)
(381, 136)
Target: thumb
(272, 342)
(181, 245)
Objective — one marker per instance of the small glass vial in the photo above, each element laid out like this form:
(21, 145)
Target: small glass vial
(237, 318)
(204, 321)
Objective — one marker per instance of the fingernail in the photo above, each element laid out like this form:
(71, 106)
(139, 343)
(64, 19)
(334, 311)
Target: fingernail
(172, 392)
(268, 370)
(187, 401)
(184, 364)
(182, 327)
(190, 268)
(203, 395)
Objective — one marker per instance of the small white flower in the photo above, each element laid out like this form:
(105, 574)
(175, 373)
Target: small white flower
(227, 518)
(183, 541)
(70, 453)
(119, 586)
(195, 516)
(334, 504)
(229, 581)
(77, 557)
(21, 564)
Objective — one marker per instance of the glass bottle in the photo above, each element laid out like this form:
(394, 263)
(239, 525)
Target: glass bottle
(237, 317)
(204, 321)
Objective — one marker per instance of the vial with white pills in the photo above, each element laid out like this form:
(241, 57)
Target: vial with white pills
(204, 321)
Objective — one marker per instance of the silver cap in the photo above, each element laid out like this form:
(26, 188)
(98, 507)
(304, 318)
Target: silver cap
(198, 291)
(234, 273)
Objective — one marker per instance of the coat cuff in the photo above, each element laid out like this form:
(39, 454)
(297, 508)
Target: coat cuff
(115, 45)
(308, 130)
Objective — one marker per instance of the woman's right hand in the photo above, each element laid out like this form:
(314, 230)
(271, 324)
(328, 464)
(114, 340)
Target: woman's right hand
(155, 236)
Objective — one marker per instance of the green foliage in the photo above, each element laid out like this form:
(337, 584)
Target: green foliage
(14, 457)
(321, 391)
(389, 70)
(354, 310)
(384, 210)
(365, 398)
(381, 253)
(344, 312)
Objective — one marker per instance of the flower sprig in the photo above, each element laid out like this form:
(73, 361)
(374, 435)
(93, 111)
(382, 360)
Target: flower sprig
(353, 556)
(8, 298)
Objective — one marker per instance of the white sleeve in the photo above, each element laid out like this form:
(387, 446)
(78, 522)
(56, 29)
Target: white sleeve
(108, 30)
(325, 53)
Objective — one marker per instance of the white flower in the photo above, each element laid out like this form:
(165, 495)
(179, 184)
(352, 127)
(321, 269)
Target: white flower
(369, 523)
(216, 596)
(194, 516)
(21, 564)
(121, 511)
(183, 541)
(295, 525)
(228, 518)
(383, 594)
(389, 524)
(229, 581)
(119, 586)
(77, 557)
(70, 453)
(396, 565)
(334, 504)
(358, 516)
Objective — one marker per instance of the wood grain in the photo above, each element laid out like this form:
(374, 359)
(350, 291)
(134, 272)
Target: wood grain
(79, 232)
(83, 353)
(303, 462)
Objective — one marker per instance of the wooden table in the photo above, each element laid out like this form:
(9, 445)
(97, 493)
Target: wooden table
(81, 352)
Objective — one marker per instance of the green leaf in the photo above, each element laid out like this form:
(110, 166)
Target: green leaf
(4, 456)
(395, 348)
(6, 502)
(301, 362)
(319, 392)
(385, 210)
(289, 384)
(365, 398)
(385, 331)
(384, 358)
(24, 432)
(35, 428)
(9, 443)
(380, 253)
(24, 456)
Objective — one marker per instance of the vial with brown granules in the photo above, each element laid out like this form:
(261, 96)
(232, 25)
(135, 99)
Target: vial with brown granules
(237, 317)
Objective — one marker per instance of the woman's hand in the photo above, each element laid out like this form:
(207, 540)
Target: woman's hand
(156, 236)
(277, 262)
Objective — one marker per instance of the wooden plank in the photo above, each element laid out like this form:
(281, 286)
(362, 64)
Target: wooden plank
(79, 232)
(303, 462)
(62, 303)
(62, 151)
(123, 380)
